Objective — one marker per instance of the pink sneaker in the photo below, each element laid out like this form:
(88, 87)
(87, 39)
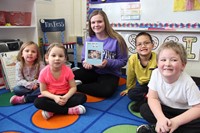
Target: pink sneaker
(17, 100)
(79, 109)
(46, 115)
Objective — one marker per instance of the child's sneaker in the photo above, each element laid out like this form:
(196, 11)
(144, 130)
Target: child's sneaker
(78, 82)
(79, 109)
(46, 115)
(146, 129)
(17, 100)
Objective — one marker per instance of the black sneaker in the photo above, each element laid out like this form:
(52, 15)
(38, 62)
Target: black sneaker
(146, 129)
(136, 106)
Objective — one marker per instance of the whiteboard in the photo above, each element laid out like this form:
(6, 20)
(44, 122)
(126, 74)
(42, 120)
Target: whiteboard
(152, 11)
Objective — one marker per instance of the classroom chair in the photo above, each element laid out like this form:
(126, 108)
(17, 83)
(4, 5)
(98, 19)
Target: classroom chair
(57, 26)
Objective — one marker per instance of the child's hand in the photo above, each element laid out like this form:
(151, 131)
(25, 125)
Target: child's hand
(35, 87)
(64, 99)
(123, 93)
(163, 125)
(173, 125)
(58, 99)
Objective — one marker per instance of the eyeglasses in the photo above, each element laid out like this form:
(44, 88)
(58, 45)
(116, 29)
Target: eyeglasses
(144, 43)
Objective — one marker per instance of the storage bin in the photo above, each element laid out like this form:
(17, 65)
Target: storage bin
(16, 18)
(2, 18)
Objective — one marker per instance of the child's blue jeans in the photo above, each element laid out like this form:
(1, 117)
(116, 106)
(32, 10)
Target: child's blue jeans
(29, 95)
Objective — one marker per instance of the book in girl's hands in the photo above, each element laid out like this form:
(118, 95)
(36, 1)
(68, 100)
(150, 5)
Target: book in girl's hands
(94, 53)
(8, 63)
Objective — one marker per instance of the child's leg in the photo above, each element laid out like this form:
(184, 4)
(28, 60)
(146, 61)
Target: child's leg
(20, 95)
(21, 90)
(76, 99)
(104, 86)
(30, 97)
(99, 85)
(138, 93)
(147, 114)
(77, 110)
(50, 105)
(74, 104)
(81, 73)
(191, 127)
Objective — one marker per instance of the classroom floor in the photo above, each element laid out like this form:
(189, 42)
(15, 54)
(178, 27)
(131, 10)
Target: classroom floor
(110, 115)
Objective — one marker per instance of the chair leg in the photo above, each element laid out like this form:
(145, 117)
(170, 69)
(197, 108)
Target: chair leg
(75, 57)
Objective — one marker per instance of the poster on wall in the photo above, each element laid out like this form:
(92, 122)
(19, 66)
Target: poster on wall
(130, 11)
(186, 5)
(190, 42)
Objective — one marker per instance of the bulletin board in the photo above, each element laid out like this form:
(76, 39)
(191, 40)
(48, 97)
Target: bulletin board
(153, 14)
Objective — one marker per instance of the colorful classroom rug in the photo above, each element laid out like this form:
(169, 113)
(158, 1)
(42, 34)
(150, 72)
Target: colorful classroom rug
(110, 115)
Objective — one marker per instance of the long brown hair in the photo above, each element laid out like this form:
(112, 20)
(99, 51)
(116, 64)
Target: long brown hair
(36, 62)
(108, 30)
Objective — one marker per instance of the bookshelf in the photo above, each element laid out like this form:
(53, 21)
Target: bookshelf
(24, 33)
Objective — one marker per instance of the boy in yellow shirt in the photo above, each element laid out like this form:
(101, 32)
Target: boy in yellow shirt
(139, 69)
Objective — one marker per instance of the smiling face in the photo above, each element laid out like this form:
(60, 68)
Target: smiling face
(170, 65)
(56, 57)
(30, 54)
(98, 24)
(144, 45)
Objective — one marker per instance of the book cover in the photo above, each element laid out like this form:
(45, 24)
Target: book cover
(94, 53)
(8, 62)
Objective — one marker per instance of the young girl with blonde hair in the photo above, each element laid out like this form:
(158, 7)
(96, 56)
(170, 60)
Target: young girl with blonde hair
(28, 68)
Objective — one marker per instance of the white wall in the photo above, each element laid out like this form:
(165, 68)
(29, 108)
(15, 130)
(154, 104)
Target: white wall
(74, 12)
(44, 10)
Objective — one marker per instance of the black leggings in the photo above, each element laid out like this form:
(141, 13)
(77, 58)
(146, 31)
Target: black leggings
(191, 127)
(94, 84)
(50, 105)
(138, 93)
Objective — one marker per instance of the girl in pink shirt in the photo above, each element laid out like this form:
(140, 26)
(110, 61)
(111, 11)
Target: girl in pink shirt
(58, 87)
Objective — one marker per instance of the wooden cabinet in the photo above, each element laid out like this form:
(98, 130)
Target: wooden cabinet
(24, 33)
